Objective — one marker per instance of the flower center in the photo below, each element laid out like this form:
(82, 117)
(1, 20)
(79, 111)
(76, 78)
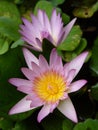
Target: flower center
(50, 86)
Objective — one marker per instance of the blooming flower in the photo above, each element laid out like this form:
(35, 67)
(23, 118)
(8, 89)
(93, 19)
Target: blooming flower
(48, 85)
(41, 27)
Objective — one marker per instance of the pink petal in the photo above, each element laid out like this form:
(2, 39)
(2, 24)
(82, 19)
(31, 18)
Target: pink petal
(70, 76)
(43, 112)
(36, 102)
(27, 23)
(22, 106)
(68, 27)
(56, 26)
(38, 44)
(28, 73)
(36, 23)
(41, 17)
(77, 85)
(25, 89)
(53, 20)
(19, 82)
(53, 106)
(55, 59)
(29, 41)
(29, 57)
(31, 46)
(43, 63)
(67, 108)
(36, 69)
(47, 23)
(76, 63)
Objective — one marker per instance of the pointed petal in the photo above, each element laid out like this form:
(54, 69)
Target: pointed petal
(76, 63)
(19, 82)
(28, 73)
(38, 44)
(43, 63)
(43, 112)
(22, 106)
(67, 108)
(31, 46)
(55, 59)
(68, 27)
(29, 57)
(25, 89)
(56, 26)
(53, 106)
(70, 76)
(40, 16)
(36, 102)
(36, 68)
(27, 23)
(47, 23)
(36, 23)
(77, 85)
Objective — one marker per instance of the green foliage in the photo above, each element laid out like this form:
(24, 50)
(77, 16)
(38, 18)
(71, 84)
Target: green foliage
(5, 124)
(9, 28)
(85, 11)
(56, 2)
(19, 42)
(10, 64)
(89, 124)
(48, 7)
(4, 46)
(94, 91)
(57, 122)
(94, 58)
(82, 45)
(67, 125)
(11, 61)
(72, 41)
(9, 25)
(26, 125)
(65, 18)
(9, 10)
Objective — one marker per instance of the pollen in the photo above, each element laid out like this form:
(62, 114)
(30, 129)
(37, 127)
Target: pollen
(50, 86)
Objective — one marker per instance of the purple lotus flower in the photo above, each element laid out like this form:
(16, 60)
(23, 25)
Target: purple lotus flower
(48, 85)
(41, 27)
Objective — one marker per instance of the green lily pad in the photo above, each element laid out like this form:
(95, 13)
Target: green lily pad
(6, 124)
(94, 91)
(17, 43)
(94, 58)
(9, 28)
(57, 2)
(48, 7)
(4, 46)
(9, 10)
(72, 40)
(89, 124)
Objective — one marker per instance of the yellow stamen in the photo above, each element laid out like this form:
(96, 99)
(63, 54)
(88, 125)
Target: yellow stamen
(50, 86)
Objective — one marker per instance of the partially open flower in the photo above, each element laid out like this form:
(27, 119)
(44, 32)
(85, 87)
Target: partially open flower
(48, 85)
(42, 27)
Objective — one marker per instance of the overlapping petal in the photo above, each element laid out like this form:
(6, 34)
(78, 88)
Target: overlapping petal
(22, 106)
(67, 108)
(29, 58)
(43, 112)
(76, 64)
(42, 27)
(37, 75)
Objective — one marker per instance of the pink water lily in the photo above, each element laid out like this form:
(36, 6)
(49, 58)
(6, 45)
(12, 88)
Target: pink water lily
(48, 85)
(42, 27)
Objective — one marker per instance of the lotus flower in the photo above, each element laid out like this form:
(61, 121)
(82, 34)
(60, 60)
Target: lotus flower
(41, 27)
(48, 85)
